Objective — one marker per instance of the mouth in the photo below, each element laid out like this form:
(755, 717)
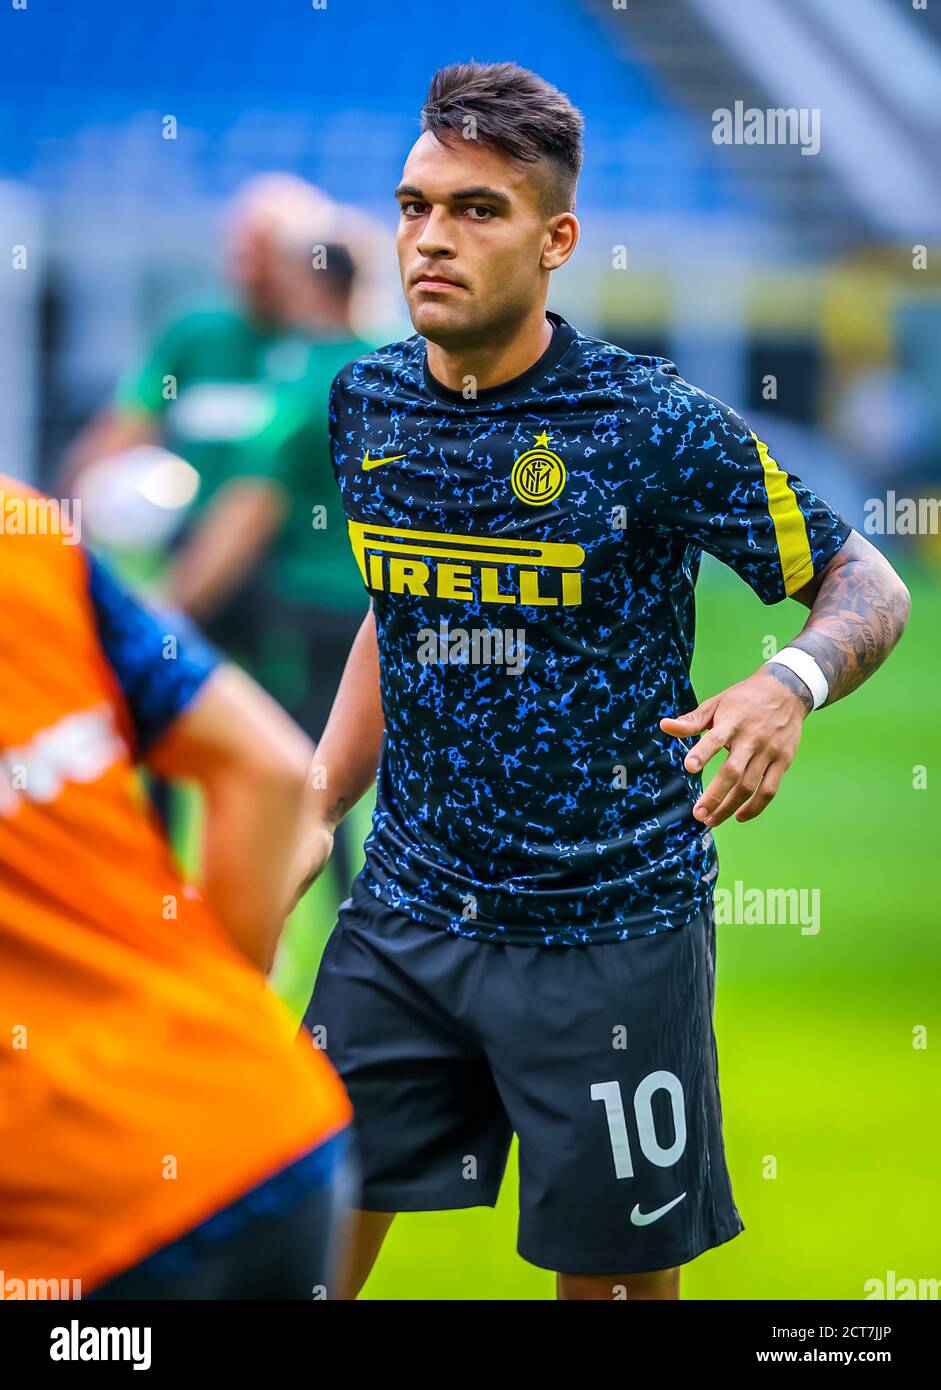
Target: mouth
(434, 283)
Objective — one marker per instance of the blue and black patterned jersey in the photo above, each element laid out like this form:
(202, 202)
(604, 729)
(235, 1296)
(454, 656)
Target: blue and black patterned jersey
(157, 681)
(531, 553)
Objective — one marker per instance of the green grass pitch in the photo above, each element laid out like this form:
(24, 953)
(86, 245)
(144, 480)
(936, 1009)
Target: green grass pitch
(816, 1055)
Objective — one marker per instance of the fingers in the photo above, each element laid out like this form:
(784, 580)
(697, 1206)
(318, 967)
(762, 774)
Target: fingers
(725, 783)
(741, 787)
(765, 793)
(761, 735)
(695, 722)
(706, 749)
(744, 791)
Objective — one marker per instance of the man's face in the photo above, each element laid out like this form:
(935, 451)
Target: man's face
(472, 240)
(252, 264)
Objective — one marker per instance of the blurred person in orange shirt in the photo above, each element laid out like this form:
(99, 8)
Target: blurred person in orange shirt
(163, 1132)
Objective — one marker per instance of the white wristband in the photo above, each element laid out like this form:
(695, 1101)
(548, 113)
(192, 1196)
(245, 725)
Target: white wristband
(806, 669)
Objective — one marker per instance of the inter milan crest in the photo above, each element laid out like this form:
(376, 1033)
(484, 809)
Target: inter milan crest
(538, 475)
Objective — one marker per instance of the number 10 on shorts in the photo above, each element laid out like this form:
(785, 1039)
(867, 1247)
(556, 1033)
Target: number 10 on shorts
(610, 1093)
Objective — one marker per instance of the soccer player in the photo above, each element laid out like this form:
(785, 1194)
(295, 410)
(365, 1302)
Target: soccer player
(308, 598)
(163, 1131)
(206, 388)
(530, 946)
(240, 389)
(311, 594)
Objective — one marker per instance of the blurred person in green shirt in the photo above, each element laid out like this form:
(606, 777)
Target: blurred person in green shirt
(277, 522)
(240, 389)
(279, 507)
(209, 385)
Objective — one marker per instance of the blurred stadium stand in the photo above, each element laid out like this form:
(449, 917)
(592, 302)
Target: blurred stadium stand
(737, 257)
(866, 65)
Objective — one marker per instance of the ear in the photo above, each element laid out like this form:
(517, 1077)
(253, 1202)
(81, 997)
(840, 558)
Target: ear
(561, 240)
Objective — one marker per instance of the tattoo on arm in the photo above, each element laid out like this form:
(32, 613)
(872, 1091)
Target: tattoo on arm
(858, 611)
(786, 677)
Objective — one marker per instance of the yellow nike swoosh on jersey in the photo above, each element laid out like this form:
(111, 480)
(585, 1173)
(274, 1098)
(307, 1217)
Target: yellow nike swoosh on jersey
(374, 463)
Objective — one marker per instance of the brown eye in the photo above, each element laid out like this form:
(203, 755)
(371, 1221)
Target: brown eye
(482, 213)
(412, 209)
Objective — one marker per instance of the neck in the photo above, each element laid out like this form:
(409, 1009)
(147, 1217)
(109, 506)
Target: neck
(499, 360)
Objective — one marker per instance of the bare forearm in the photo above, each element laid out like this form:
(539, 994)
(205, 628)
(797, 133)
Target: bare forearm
(251, 761)
(249, 831)
(238, 527)
(344, 765)
(859, 608)
(347, 755)
(858, 611)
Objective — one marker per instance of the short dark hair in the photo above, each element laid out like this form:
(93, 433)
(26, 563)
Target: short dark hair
(339, 269)
(513, 110)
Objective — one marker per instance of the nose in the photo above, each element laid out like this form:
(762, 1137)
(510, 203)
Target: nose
(435, 241)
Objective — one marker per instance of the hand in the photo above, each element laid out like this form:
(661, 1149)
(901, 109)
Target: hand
(309, 862)
(759, 721)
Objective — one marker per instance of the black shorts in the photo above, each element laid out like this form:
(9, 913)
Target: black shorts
(601, 1058)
